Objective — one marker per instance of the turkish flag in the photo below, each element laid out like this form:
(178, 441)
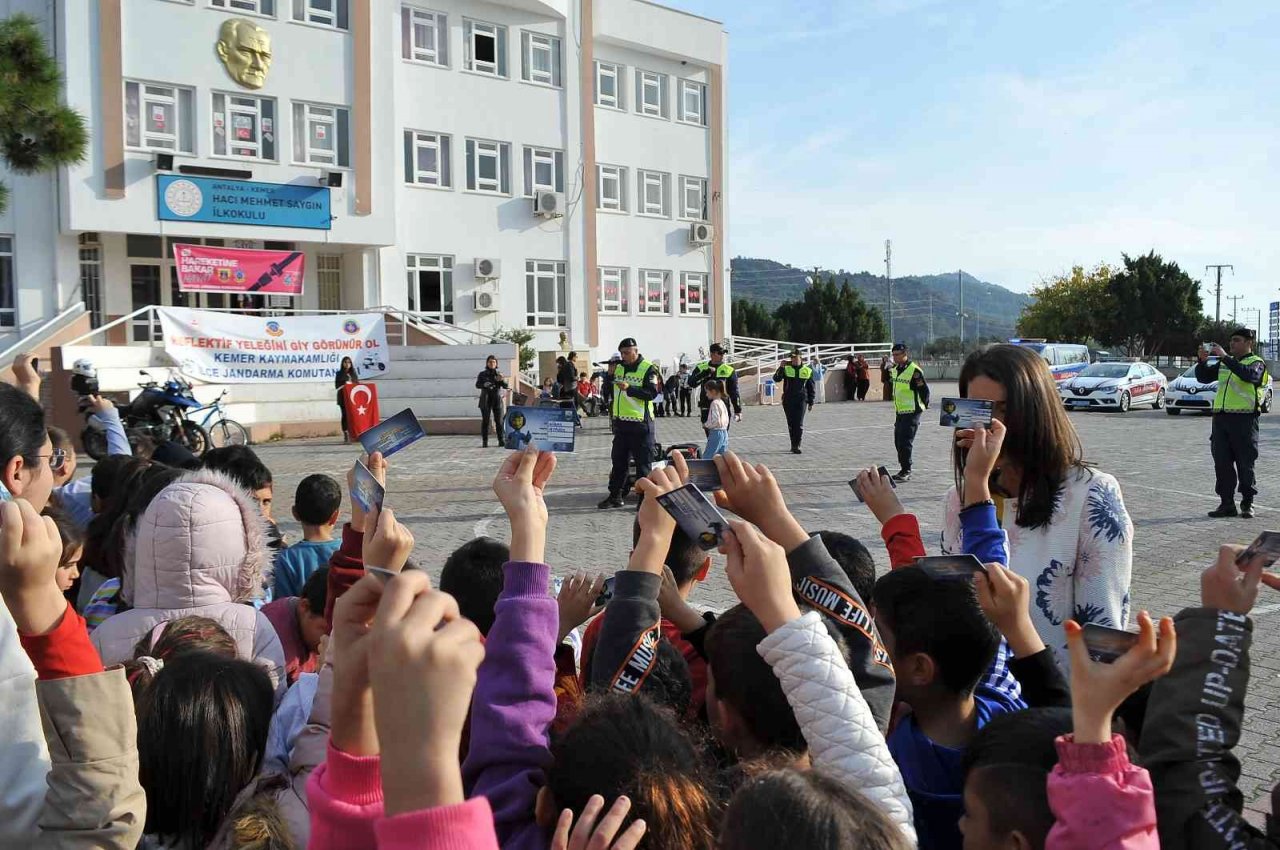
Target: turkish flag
(362, 407)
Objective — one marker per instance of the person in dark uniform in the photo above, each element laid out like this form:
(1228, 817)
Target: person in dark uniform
(910, 398)
(797, 395)
(490, 383)
(1242, 379)
(716, 369)
(346, 374)
(634, 384)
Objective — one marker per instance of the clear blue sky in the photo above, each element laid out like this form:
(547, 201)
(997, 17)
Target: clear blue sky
(1010, 138)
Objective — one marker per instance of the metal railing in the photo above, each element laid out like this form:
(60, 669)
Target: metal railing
(399, 324)
(751, 353)
(24, 342)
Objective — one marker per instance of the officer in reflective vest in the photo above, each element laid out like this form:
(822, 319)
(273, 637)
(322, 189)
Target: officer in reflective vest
(716, 369)
(634, 382)
(910, 398)
(797, 395)
(1242, 379)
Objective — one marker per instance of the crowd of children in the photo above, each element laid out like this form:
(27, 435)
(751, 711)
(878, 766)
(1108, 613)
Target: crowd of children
(173, 675)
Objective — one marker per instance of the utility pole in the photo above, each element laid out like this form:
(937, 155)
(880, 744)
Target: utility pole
(930, 318)
(1217, 310)
(960, 279)
(1235, 304)
(888, 279)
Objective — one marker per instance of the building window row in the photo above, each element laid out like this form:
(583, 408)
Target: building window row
(424, 38)
(428, 161)
(653, 193)
(325, 13)
(651, 94)
(161, 117)
(653, 292)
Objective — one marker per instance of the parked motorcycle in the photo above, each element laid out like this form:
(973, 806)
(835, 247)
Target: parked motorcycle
(158, 413)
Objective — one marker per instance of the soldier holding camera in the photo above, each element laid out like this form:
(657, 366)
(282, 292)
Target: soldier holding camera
(1242, 378)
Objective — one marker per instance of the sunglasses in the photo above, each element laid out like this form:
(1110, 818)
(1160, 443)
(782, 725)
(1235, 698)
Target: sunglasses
(57, 459)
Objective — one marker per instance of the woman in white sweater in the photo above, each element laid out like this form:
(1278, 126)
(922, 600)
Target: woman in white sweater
(1069, 533)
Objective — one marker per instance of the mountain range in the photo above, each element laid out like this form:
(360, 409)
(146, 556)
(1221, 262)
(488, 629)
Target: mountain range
(926, 307)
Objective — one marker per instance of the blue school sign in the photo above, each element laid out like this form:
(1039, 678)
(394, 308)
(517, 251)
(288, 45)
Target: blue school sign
(220, 201)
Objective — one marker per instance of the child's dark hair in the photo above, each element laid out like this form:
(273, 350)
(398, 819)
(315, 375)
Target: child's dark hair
(853, 558)
(60, 439)
(745, 681)
(171, 641)
(942, 619)
(71, 535)
(242, 464)
(104, 546)
(684, 556)
(625, 744)
(315, 590)
(473, 576)
(805, 808)
(202, 731)
(1007, 766)
(715, 386)
(112, 474)
(669, 682)
(317, 499)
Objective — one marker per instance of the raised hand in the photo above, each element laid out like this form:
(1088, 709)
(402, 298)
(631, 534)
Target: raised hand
(387, 543)
(25, 376)
(377, 465)
(588, 836)
(100, 405)
(520, 486)
(1229, 586)
(30, 548)
(656, 524)
(423, 661)
(983, 445)
(752, 493)
(1005, 598)
(352, 727)
(878, 494)
(674, 607)
(1098, 689)
(757, 570)
(577, 601)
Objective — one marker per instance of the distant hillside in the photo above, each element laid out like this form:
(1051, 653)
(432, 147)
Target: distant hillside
(992, 310)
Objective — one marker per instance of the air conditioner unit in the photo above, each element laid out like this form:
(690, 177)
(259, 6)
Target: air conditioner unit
(486, 299)
(701, 233)
(548, 204)
(488, 269)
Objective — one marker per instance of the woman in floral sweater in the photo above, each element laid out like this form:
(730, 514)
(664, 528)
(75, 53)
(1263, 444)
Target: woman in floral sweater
(1069, 533)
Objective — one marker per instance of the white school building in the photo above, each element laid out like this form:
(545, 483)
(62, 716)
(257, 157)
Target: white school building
(551, 164)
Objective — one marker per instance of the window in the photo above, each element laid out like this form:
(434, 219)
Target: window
(613, 291)
(428, 159)
(540, 61)
(244, 126)
(546, 298)
(693, 198)
(543, 171)
(91, 277)
(321, 135)
(8, 297)
(431, 285)
(655, 194)
(609, 85)
(611, 192)
(485, 46)
(651, 94)
(325, 13)
(693, 103)
(258, 7)
(424, 36)
(329, 278)
(693, 294)
(489, 167)
(159, 118)
(655, 291)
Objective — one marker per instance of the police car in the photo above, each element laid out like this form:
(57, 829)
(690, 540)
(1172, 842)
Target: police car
(1187, 393)
(1065, 359)
(1114, 386)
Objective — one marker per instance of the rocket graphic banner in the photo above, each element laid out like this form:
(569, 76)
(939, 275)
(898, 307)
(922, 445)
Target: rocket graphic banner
(203, 268)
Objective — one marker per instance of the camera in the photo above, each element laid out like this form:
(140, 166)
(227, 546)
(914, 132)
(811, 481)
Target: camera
(84, 385)
(1207, 346)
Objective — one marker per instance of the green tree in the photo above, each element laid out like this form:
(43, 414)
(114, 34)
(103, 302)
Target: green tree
(1069, 307)
(751, 318)
(1151, 303)
(37, 132)
(521, 337)
(828, 313)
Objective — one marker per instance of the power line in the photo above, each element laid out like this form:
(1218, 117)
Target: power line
(1235, 304)
(1217, 312)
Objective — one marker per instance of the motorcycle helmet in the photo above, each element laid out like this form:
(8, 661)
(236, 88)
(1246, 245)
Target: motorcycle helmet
(84, 377)
(84, 366)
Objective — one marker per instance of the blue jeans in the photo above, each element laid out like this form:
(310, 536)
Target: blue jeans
(717, 443)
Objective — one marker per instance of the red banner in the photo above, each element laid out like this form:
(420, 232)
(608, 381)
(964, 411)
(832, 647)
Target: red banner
(203, 268)
(361, 401)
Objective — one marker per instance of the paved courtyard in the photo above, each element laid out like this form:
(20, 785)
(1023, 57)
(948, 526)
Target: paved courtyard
(440, 488)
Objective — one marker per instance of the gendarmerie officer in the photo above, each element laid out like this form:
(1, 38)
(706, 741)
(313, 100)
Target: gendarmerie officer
(910, 398)
(1242, 378)
(797, 395)
(634, 382)
(716, 369)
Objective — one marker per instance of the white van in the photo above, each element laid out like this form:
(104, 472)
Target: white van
(1065, 359)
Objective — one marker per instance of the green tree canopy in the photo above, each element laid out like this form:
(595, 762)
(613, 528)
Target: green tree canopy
(1069, 307)
(37, 132)
(828, 313)
(750, 318)
(1152, 302)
